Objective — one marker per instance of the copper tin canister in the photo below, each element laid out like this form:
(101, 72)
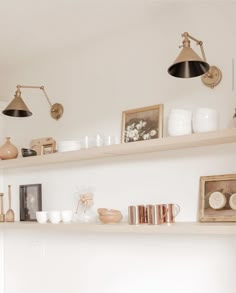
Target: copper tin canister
(136, 215)
(156, 214)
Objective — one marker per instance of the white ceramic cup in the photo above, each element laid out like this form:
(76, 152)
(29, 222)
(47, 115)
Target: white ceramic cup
(66, 216)
(54, 217)
(111, 139)
(205, 119)
(42, 217)
(108, 140)
(179, 122)
(99, 140)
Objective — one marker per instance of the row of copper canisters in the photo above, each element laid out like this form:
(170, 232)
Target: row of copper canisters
(153, 214)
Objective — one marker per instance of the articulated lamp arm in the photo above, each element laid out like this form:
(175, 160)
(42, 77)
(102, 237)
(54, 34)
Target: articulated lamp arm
(200, 43)
(56, 109)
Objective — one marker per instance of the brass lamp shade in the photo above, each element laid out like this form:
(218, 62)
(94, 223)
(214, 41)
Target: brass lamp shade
(17, 107)
(188, 64)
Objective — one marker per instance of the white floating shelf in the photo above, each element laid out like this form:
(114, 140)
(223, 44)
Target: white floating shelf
(187, 228)
(156, 145)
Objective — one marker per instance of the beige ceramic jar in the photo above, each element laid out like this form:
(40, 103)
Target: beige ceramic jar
(8, 150)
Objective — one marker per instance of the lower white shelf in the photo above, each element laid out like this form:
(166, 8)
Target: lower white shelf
(175, 228)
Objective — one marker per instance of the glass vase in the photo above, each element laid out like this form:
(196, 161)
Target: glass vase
(84, 212)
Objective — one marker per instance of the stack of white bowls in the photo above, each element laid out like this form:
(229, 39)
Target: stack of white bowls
(68, 145)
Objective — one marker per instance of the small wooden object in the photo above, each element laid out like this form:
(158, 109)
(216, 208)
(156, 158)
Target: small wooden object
(2, 216)
(10, 216)
(38, 144)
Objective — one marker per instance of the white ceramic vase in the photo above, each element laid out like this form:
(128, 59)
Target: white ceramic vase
(179, 122)
(205, 119)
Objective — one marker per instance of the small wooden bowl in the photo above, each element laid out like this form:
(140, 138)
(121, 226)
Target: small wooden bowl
(106, 212)
(110, 219)
(107, 216)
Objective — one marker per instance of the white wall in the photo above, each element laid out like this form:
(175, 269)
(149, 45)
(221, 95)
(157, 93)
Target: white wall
(96, 81)
(105, 263)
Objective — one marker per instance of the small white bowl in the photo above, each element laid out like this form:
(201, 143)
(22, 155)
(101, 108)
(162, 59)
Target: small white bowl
(55, 217)
(66, 216)
(42, 217)
(68, 145)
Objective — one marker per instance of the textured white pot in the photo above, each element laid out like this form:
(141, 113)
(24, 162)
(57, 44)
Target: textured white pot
(179, 122)
(205, 119)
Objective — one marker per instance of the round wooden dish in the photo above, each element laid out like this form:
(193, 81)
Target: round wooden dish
(107, 216)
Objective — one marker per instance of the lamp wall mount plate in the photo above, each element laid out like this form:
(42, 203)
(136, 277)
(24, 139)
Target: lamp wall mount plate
(18, 108)
(56, 111)
(213, 77)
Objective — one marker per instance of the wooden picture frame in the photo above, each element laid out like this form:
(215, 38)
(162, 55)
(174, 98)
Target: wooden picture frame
(217, 202)
(39, 143)
(142, 124)
(48, 148)
(30, 201)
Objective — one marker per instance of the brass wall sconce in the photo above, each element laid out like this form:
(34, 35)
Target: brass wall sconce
(18, 108)
(189, 64)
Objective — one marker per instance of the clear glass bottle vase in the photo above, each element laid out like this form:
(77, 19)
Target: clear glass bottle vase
(84, 212)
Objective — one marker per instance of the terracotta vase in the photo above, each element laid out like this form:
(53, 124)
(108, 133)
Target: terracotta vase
(8, 150)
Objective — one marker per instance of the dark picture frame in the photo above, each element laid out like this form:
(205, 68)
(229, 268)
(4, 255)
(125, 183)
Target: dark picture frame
(30, 201)
(142, 124)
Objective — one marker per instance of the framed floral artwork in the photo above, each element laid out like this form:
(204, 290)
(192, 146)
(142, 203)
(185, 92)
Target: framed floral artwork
(142, 123)
(217, 201)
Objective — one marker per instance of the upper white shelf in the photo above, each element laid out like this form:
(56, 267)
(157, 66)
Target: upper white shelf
(187, 228)
(156, 145)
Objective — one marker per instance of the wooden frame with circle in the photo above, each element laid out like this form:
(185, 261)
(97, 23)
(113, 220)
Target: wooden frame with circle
(217, 200)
